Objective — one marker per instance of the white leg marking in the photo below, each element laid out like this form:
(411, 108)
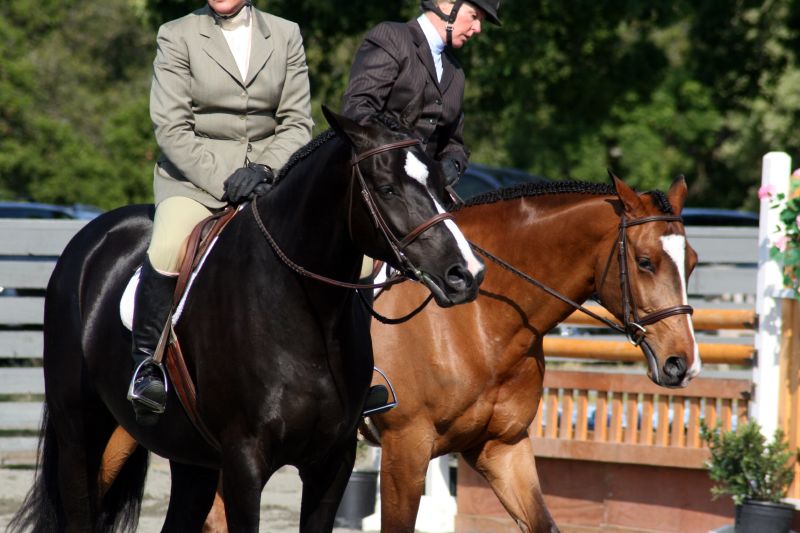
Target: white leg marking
(675, 248)
(419, 172)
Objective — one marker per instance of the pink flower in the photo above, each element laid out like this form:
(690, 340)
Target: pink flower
(766, 192)
(796, 173)
(797, 221)
(781, 243)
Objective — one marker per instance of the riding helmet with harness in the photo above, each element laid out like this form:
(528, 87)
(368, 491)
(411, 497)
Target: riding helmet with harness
(489, 7)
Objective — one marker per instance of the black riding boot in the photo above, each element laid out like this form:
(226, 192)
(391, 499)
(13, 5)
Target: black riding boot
(152, 304)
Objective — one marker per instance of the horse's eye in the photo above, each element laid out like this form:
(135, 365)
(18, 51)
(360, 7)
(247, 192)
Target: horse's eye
(385, 190)
(644, 263)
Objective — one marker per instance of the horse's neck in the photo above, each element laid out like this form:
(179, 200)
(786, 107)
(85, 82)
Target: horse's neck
(307, 211)
(557, 240)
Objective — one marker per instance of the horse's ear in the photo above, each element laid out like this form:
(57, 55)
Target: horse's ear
(631, 202)
(344, 127)
(677, 194)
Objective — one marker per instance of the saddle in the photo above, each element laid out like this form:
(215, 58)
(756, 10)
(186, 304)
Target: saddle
(168, 351)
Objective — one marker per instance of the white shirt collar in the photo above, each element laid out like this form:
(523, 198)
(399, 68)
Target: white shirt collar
(241, 19)
(434, 39)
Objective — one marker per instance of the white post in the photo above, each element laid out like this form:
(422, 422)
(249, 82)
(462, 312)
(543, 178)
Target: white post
(437, 509)
(775, 172)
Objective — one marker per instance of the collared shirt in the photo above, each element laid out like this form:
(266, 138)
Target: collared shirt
(434, 41)
(238, 32)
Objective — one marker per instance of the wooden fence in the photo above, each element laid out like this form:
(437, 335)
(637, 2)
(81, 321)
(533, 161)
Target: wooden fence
(28, 252)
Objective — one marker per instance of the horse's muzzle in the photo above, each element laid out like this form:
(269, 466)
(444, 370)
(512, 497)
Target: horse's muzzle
(456, 287)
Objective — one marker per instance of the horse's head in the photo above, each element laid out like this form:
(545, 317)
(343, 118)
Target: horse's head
(396, 216)
(643, 281)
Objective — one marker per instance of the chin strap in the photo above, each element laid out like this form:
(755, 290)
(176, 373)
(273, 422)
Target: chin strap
(448, 19)
(248, 3)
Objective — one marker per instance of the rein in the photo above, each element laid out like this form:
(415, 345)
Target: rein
(409, 270)
(634, 329)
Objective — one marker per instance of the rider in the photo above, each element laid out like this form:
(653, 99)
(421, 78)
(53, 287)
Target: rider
(230, 102)
(406, 71)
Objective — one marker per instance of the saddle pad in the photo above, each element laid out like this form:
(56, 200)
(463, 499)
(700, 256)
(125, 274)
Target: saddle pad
(191, 265)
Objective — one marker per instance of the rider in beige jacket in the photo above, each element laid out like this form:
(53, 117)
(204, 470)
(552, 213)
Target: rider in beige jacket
(230, 103)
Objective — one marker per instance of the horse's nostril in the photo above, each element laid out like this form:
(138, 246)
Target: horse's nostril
(675, 367)
(458, 278)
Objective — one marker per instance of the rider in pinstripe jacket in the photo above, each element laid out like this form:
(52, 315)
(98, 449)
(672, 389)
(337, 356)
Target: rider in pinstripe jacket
(405, 70)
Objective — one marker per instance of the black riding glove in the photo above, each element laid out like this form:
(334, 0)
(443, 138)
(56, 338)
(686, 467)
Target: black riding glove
(247, 182)
(451, 169)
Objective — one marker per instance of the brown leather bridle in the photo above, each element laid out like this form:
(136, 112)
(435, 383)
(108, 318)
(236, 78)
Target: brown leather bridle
(633, 326)
(398, 246)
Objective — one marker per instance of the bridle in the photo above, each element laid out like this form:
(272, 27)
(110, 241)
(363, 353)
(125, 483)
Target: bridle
(397, 245)
(634, 329)
(633, 326)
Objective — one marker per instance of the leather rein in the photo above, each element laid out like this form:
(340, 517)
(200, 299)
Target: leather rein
(633, 326)
(397, 245)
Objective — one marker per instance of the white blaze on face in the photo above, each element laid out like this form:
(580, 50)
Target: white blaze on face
(675, 248)
(417, 170)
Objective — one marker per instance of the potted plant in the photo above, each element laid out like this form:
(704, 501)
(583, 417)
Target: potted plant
(359, 496)
(756, 474)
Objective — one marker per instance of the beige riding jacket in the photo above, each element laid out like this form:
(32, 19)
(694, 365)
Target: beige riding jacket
(209, 121)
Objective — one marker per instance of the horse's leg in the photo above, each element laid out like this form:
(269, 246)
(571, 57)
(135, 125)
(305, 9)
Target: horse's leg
(323, 487)
(245, 474)
(191, 495)
(510, 469)
(404, 464)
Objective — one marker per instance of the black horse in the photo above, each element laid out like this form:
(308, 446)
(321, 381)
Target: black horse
(282, 361)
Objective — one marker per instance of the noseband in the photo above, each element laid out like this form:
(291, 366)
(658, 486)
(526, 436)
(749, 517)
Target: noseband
(398, 246)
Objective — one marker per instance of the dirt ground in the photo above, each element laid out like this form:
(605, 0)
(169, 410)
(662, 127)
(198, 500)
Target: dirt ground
(280, 502)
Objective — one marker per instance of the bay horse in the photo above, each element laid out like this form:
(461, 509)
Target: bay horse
(469, 379)
(281, 361)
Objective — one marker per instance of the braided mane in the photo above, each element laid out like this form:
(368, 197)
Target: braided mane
(524, 190)
(305, 151)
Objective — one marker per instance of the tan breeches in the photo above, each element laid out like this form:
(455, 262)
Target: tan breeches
(175, 219)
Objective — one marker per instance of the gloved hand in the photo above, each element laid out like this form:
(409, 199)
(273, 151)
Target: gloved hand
(451, 169)
(247, 182)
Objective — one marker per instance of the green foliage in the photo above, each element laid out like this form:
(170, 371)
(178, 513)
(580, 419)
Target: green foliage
(745, 466)
(785, 249)
(563, 89)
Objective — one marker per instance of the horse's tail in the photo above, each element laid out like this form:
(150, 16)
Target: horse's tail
(42, 509)
(40, 512)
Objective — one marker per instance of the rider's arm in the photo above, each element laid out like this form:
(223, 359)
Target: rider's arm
(293, 113)
(372, 76)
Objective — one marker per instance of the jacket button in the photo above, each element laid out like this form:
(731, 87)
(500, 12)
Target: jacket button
(242, 117)
(431, 121)
(438, 101)
(244, 93)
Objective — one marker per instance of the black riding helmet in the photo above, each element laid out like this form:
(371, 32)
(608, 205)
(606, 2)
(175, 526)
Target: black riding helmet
(489, 7)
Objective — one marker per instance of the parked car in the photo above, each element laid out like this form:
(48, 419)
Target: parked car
(480, 178)
(710, 216)
(48, 211)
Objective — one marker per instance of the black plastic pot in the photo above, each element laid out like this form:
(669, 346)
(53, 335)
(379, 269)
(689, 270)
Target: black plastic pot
(763, 517)
(358, 500)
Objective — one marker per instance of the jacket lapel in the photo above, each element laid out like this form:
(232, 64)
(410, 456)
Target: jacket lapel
(217, 47)
(261, 46)
(448, 73)
(424, 51)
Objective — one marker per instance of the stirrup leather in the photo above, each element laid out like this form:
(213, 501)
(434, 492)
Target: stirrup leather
(143, 400)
